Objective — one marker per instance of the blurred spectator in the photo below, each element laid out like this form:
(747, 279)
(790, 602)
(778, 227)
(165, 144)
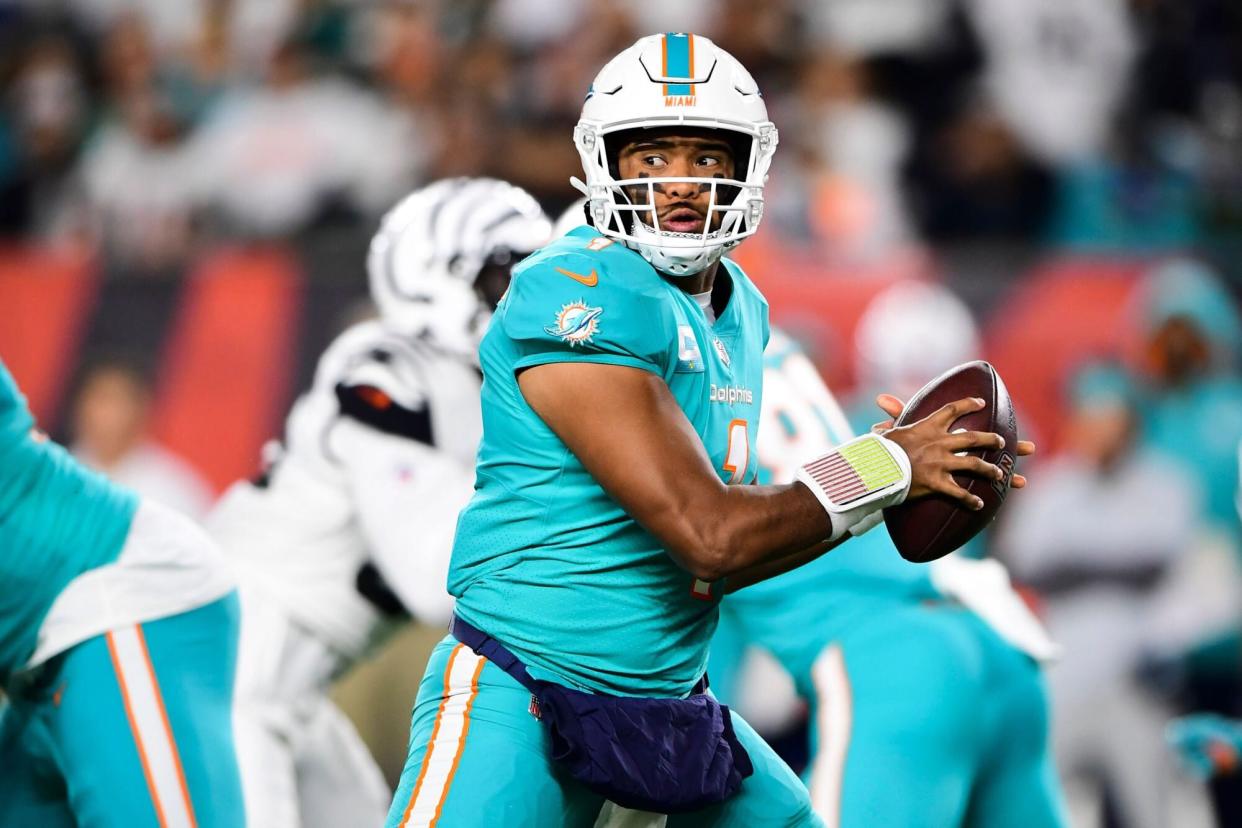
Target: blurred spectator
(152, 227)
(110, 420)
(46, 113)
(532, 24)
(1056, 70)
(858, 145)
(1096, 538)
(127, 56)
(1138, 196)
(282, 155)
(972, 181)
(868, 27)
(1192, 333)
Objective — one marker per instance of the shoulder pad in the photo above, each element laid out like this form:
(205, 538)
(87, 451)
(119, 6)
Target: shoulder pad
(377, 379)
(373, 406)
(367, 354)
(607, 305)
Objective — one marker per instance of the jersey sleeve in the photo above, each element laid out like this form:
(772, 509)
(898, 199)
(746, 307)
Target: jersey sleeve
(371, 405)
(16, 420)
(564, 309)
(379, 389)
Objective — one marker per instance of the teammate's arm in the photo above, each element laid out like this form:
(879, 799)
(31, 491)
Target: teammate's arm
(626, 428)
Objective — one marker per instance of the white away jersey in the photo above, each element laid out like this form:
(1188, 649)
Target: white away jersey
(354, 517)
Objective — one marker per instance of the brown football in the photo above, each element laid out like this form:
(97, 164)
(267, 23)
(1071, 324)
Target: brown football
(933, 526)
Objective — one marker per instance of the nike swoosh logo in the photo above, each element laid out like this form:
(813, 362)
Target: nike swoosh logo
(590, 281)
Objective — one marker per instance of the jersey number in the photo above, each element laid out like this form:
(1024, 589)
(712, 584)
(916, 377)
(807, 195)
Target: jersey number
(737, 458)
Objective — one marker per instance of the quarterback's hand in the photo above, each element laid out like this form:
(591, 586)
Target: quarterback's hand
(936, 453)
(1207, 745)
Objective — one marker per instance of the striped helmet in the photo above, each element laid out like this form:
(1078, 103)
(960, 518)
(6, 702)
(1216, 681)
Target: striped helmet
(671, 80)
(441, 258)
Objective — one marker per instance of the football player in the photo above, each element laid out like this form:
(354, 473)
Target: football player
(923, 686)
(118, 640)
(350, 526)
(621, 394)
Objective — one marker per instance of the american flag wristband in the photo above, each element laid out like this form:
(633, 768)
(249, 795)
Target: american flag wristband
(857, 479)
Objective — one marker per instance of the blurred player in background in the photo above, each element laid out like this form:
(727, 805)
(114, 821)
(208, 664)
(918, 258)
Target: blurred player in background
(110, 429)
(923, 683)
(349, 528)
(623, 379)
(1209, 745)
(118, 640)
(1192, 411)
(1098, 544)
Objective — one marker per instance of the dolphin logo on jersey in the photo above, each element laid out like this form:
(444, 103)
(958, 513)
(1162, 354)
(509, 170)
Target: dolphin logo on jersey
(576, 323)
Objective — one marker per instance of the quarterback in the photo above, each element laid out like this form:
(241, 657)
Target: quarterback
(349, 529)
(613, 505)
(118, 635)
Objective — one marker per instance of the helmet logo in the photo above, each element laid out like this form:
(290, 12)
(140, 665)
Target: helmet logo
(677, 63)
(576, 323)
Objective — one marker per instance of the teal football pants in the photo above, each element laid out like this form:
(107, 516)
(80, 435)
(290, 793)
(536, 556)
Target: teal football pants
(129, 729)
(478, 757)
(922, 716)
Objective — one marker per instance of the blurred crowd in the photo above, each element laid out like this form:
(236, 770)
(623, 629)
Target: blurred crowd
(150, 127)
(152, 130)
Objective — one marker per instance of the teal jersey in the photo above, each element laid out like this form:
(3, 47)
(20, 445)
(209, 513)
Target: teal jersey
(1201, 426)
(57, 520)
(795, 614)
(544, 559)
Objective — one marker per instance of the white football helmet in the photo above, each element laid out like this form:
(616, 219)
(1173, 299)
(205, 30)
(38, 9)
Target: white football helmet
(428, 263)
(663, 81)
(910, 333)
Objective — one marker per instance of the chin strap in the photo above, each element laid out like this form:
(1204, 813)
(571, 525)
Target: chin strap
(856, 480)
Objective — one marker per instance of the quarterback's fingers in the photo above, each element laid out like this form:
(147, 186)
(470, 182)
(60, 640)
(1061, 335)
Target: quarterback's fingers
(964, 440)
(950, 412)
(947, 486)
(881, 427)
(1025, 448)
(1018, 481)
(977, 466)
(890, 405)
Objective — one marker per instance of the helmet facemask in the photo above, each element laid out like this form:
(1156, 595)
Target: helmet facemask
(625, 208)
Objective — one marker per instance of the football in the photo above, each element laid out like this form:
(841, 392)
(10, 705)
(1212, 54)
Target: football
(932, 527)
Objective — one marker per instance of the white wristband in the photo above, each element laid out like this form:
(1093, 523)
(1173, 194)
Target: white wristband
(857, 479)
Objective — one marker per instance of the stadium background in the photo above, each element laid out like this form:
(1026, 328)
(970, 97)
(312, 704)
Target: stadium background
(193, 185)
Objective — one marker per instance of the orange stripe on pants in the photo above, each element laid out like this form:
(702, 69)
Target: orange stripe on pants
(133, 728)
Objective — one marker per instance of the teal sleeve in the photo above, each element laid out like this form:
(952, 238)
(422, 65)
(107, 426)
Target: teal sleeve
(551, 316)
(15, 417)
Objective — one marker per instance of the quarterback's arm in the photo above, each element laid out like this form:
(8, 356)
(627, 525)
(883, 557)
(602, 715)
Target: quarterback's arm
(626, 428)
(770, 569)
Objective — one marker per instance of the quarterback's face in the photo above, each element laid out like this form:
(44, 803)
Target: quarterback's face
(680, 205)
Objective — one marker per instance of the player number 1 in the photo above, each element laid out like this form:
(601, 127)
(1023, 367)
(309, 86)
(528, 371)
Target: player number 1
(737, 458)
